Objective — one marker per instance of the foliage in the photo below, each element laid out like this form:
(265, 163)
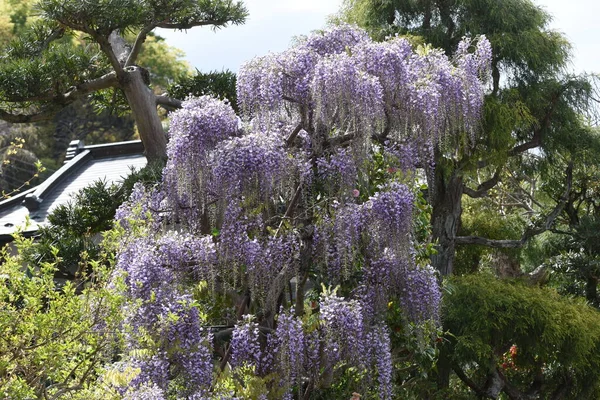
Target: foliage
(55, 336)
(20, 168)
(13, 20)
(74, 228)
(217, 84)
(480, 219)
(521, 339)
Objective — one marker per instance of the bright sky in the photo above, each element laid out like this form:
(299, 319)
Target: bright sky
(272, 24)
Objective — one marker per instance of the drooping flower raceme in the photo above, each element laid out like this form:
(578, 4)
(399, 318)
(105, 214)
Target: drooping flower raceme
(289, 349)
(254, 164)
(420, 294)
(346, 96)
(161, 313)
(337, 39)
(195, 130)
(245, 345)
(343, 329)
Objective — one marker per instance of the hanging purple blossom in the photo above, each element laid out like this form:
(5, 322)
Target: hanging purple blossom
(146, 392)
(336, 39)
(245, 345)
(421, 294)
(343, 330)
(347, 97)
(255, 163)
(143, 205)
(194, 132)
(339, 172)
(290, 340)
(380, 350)
(392, 210)
(348, 227)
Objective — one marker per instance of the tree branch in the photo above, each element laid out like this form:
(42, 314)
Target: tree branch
(290, 139)
(340, 140)
(107, 49)
(189, 25)
(483, 188)
(168, 103)
(536, 140)
(74, 93)
(470, 383)
(529, 233)
(104, 82)
(26, 118)
(137, 46)
(512, 392)
(291, 207)
(496, 243)
(56, 33)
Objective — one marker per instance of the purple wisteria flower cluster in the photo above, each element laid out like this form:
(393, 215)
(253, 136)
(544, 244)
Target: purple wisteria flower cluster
(255, 212)
(195, 131)
(377, 236)
(346, 96)
(245, 345)
(358, 85)
(144, 204)
(339, 170)
(161, 314)
(254, 163)
(349, 338)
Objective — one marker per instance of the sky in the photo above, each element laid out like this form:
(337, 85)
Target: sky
(272, 25)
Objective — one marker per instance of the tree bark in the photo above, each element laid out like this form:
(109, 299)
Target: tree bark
(445, 197)
(591, 289)
(443, 369)
(143, 107)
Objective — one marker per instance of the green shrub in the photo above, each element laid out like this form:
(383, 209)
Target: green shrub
(528, 340)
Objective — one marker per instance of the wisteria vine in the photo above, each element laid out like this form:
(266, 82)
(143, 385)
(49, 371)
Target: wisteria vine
(266, 208)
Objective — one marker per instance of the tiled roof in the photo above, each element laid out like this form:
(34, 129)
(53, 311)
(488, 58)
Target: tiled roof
(84, 165)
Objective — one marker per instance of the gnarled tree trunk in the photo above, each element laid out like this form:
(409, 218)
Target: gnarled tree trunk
(143, 107)
(446, 190)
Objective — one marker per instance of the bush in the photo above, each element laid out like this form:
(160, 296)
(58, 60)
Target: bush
(520, 339)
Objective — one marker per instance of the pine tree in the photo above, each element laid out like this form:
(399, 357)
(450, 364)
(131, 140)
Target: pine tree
(42, 71)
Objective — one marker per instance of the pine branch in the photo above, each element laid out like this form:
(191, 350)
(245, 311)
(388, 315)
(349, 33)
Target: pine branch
(137, 46)
(44, 115)
(104, 82)
(107, 49)
(168, 103)
(76, 92)
(191, 24)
